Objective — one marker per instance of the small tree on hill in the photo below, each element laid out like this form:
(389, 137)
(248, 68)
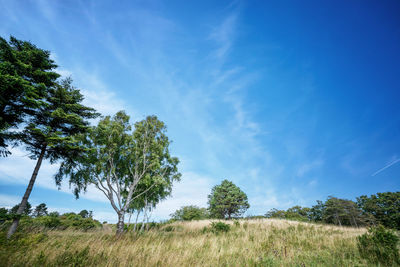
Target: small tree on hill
(40, 210)
(227, 200)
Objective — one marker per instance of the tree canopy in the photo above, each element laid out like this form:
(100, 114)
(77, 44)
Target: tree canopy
(227, 200)
(25, 74)
(40, 210)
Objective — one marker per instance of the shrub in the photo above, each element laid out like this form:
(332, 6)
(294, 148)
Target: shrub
(220, 227)
(49, 221)
(379, 245)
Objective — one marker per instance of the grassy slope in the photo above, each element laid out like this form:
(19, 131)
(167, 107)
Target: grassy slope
(253, 243)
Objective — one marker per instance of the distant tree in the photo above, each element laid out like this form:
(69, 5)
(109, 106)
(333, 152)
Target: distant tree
(26, 211)
(298, 213)
(275, 213)
(40, 210)
(189, 213)
(25, 74)
(317, 211)
(342, 212)
(123, 165)
(84, 214)
(52, 130)
(384, 207)
(227, 200)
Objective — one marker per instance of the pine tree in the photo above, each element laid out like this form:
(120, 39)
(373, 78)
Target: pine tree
(226, 200)
(25, 73)
(51, 133)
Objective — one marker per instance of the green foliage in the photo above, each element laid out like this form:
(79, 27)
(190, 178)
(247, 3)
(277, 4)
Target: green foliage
(220, 227)
(86, 214)
(25, 73)
(384, 207)
(27, 211)
(379, 246)
(189, 213)
(49, 221)
(40, 210)
(342, 212)
(227, 200)
(133, 169)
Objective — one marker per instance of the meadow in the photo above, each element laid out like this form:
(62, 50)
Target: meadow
(257, 242)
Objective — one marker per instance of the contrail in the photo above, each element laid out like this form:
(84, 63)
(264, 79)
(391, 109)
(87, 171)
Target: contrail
(387, 166)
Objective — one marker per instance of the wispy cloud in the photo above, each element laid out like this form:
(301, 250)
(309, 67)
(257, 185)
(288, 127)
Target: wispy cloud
(307, 167)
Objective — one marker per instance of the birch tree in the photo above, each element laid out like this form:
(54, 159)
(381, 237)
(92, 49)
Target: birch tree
(123, 164)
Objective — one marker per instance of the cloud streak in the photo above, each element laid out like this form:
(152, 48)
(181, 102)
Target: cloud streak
(387, 166)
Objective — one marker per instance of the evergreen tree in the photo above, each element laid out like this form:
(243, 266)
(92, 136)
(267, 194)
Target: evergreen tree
(227, 200)
(25, 74)
(40, 210)
(52, 130)
(384, 207)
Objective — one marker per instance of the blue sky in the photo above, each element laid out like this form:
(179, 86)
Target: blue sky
(291, 100)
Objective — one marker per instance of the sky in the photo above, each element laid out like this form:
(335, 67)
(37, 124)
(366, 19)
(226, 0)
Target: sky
(293, 101)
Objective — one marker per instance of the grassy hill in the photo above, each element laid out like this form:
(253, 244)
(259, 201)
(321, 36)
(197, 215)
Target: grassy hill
(264, 242)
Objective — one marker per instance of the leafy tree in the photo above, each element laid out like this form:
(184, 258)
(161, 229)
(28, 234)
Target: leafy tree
(52, 130)
(384, 207)
(26, 211)
(298, 213)
(227, 200)
(40, 210)
(189, 213)
(123, 165)
(275, 213)
(25, 74)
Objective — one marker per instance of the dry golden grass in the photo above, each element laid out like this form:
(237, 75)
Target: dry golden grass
(265, 242)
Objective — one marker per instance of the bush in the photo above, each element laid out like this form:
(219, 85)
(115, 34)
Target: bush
(379, 246)
(220, 227)
(49, 221)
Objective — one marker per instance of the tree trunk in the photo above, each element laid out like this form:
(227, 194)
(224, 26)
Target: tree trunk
(129, 220)
(137, 217)
(28, 191)
(120, 224)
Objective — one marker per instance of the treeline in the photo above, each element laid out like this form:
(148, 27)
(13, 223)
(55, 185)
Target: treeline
(380, 208)
(39, 217)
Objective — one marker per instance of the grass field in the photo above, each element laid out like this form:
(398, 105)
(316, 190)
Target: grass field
(265, 242)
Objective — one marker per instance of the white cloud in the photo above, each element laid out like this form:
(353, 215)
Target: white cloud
(223, 35)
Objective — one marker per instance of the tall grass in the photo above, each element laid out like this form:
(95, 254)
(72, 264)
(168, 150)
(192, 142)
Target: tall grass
(266, 242)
